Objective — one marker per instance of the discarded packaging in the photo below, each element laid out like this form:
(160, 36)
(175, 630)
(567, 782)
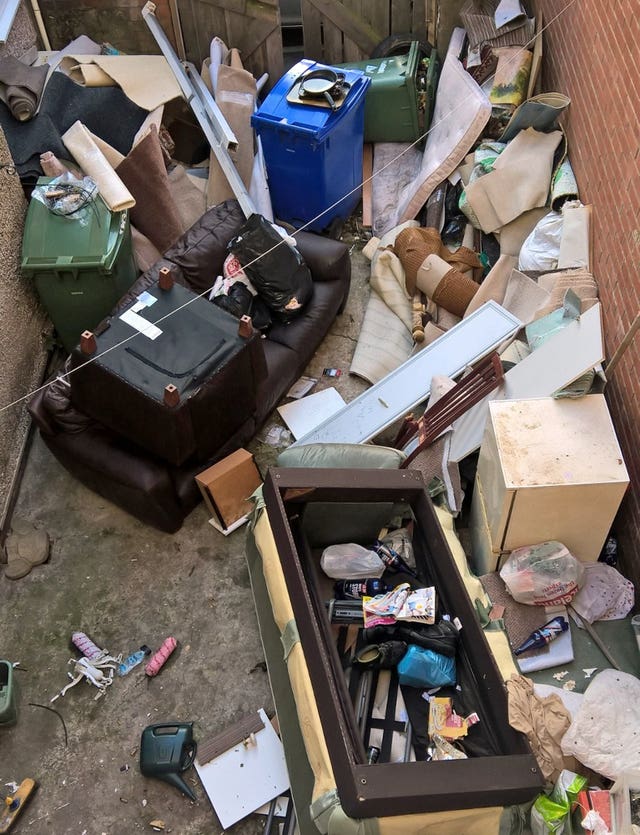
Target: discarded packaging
(444, 721)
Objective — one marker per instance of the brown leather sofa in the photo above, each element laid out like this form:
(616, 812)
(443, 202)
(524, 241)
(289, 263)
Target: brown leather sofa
(155, 492)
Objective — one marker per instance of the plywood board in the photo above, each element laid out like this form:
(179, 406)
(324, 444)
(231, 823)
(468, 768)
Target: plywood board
(558, 362)
(246, 776)
(396, 394)
(302, 416)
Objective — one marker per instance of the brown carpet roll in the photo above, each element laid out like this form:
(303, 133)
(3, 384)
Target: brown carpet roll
(445, 285)
(454, 292)
(21, 87)
(144, 173)
(415, 244)
(412, 246)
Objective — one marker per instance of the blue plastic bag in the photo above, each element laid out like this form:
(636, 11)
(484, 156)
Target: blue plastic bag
(425, 668)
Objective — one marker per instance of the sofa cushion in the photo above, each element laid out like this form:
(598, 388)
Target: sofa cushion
(306, 332)
(201, 251)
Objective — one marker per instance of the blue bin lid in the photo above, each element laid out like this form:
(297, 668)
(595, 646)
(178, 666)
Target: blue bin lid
(314, 120)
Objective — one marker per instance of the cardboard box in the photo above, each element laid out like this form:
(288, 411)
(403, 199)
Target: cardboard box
(226, 487)
(597, 799)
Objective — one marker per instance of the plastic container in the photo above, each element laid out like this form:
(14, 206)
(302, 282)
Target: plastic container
(79, 271)
(8, 709)
(313, 153)
(399, 101)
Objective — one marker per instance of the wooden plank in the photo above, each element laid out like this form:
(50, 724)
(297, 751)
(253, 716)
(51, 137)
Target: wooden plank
(333, 52)
(251, 11)
(432, 19)
(419, 19)
(273, 56)
(352, 51)
(378, 15)
(357, 30)
(367, 172)
(311, 31)
(402, 16)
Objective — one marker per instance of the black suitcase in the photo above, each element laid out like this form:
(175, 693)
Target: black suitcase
(179, 388)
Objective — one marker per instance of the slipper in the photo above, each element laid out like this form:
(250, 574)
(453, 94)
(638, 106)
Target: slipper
(26, 547)
(17, 568)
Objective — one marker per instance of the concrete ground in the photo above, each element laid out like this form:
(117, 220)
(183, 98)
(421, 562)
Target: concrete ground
(125, 585)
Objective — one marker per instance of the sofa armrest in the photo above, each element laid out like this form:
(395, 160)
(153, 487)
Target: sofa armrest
(327, 258)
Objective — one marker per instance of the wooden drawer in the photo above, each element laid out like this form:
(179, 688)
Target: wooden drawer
(508, 774)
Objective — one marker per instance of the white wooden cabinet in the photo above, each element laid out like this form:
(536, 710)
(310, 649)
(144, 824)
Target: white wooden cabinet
(549, 469)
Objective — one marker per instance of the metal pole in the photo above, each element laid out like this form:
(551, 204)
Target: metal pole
(214, 126)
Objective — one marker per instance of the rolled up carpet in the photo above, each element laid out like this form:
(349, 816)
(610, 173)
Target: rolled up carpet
(412, 246)
(445, 285)
(93, 162)
(21, 87)
(415, 244)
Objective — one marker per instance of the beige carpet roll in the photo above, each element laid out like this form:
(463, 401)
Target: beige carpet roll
(445, 285)
(93, 162)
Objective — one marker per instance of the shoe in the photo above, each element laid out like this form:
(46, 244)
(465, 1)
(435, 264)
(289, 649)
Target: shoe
(26, 547)
(378, 634)
(440, 637)
(383, 656)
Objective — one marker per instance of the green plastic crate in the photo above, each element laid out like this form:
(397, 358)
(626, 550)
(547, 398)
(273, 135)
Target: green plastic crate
(79, 270)
(399, 100)
(8, 709)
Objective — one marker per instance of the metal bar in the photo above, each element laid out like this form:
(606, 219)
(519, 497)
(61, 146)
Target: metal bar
(214, 126)
(220, 124)
(597, 640)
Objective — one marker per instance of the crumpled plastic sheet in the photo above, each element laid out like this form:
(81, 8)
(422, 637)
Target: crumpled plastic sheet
(605, 595)
(605, 734)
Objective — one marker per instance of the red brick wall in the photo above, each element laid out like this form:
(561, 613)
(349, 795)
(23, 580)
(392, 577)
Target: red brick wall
(592, 53)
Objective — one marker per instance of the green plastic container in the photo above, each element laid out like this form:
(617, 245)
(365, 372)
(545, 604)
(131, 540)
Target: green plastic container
(79, 270)
(399, 101)
(8, 709)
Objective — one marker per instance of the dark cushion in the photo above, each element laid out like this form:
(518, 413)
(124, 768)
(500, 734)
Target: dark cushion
(201, 251)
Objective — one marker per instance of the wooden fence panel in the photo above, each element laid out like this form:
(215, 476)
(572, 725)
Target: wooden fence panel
(252, 26)
(336, 31)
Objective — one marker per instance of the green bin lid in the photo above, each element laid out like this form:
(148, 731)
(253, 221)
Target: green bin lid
(51, 242)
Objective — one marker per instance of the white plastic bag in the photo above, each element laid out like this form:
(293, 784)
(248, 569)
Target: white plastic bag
(541, 249)
(542, 575)
(605, 595)
(603, 735)
(350, 562)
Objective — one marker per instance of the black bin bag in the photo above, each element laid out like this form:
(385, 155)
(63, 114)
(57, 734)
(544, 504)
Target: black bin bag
(275, 267)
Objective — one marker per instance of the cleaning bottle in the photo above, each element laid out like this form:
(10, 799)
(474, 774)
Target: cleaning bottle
(356, 589)
(392, 559)
(543, 636)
